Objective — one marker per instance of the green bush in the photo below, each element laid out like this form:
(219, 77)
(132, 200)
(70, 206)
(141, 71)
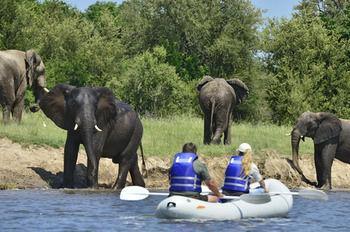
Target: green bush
(151, 85)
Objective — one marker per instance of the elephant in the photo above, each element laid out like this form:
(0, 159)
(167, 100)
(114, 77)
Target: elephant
(18, 70)
(331, 137)
(106, 127)
(217, 99)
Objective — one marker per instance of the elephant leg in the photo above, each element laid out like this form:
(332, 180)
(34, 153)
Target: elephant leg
(7, 99)
(227, 132)
(326, 156)
(221, 123)
(124, 168)
(92, 175)
(17, 110)
(71, 149)
(6, 112)
(136, 175)
(217, 135)
(207, 129)
(318, 164)
(7, 105)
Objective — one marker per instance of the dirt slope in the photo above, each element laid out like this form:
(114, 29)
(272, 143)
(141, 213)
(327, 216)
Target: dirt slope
(41, 167)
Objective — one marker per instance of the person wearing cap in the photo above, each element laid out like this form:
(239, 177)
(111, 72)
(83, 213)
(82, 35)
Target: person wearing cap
(240, 172)
(187, 173)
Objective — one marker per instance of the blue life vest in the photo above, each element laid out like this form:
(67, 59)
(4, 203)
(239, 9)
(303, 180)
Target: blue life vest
(183, 177)
(235, 179)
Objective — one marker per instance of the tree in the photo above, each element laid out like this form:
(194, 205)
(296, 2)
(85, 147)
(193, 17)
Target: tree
(73, 50)
(308, 64)
(201, 37)
(151, 85)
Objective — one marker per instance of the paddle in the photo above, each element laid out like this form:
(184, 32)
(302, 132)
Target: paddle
(136, 193)
(312, 194)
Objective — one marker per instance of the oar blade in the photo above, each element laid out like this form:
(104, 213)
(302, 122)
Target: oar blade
(260, 198)
(134, 193)
(313, 194)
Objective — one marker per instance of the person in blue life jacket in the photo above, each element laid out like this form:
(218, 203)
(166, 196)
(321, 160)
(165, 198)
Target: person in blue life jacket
(240, 172)
(187, 173)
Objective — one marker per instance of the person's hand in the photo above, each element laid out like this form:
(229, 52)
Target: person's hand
(266, 189)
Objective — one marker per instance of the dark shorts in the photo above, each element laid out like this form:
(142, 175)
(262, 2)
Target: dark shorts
(198, 197)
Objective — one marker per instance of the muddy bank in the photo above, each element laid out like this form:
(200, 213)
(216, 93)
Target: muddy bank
(41, 167)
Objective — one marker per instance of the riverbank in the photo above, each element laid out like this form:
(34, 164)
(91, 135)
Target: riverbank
(41, 167)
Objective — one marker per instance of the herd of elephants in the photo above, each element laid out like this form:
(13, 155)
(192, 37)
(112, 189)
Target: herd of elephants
(107, 127)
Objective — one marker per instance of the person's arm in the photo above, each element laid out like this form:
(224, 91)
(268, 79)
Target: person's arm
(213, 187)
(203, 172)
(262, 184)
(257, 176)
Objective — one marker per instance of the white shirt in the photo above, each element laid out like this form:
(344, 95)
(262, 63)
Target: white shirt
(254, 173)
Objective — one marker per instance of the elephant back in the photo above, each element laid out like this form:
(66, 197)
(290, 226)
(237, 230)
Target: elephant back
(217, 90)
(14, 60)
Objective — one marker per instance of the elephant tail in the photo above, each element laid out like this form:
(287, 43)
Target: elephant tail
(212, 116)
(144, 169)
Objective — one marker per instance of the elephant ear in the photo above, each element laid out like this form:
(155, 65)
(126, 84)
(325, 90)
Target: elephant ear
(204, 81)
(53, 104)
(240, 88)
(329, 127)
(106, 107)
(32, 60)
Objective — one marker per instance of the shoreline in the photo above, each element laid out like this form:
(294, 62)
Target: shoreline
(31, 167)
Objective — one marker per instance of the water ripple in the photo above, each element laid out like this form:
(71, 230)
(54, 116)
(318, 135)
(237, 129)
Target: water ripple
(55, 210)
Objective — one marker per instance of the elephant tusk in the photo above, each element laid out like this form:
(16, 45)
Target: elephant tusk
(46, 90)
(288, 134)
(98, 129)
(76, 126)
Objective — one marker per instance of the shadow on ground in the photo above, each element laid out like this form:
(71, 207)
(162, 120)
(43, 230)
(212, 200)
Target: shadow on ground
(55, 180)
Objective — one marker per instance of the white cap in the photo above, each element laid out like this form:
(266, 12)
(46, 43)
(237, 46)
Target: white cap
(244, 147)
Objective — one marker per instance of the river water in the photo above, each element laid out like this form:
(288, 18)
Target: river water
(83, 210)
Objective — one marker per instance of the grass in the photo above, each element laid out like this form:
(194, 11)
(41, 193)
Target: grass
(164, 137)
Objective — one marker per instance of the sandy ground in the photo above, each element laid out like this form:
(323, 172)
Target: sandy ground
(41, 167)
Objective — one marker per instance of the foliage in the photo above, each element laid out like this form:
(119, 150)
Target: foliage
(105, 44)
(201, 37)
(308, 66)
(73, 48)
(153, 53)
(151, 85)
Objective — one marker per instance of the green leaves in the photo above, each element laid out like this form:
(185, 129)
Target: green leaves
(308, 64)
(201, 37)
(151, 53)
(150, 85)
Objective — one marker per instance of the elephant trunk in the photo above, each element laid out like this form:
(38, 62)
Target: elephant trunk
(39, 90)
(295, 141)
(85, 125)
(87, 140)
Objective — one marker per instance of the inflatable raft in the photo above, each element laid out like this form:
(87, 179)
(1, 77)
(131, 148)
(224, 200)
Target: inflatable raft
(179, 207)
